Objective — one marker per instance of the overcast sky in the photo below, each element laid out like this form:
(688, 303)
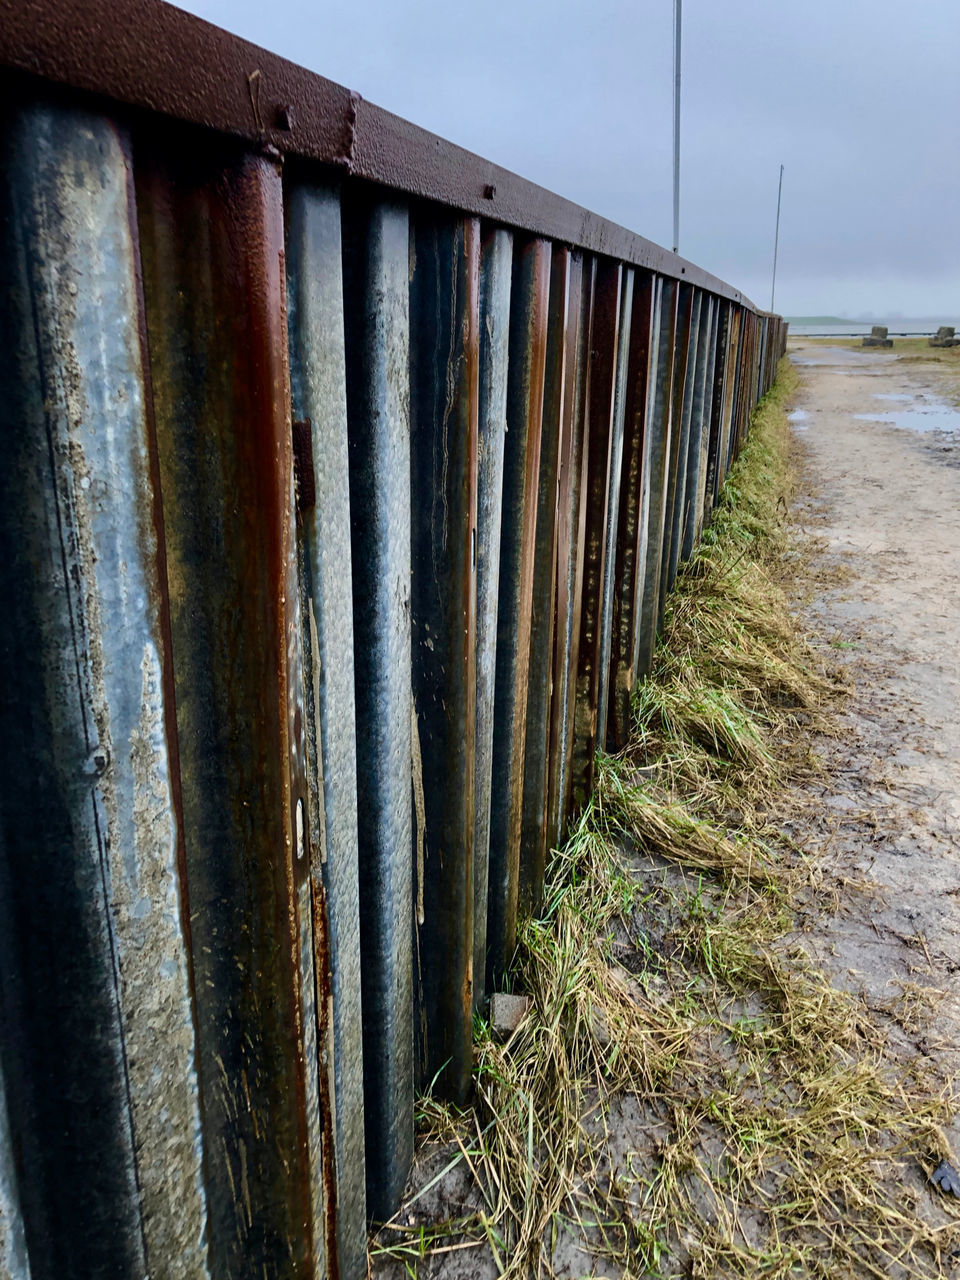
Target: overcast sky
(859, 99)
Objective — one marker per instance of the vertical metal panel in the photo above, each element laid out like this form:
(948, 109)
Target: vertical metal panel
(684, 358)
(690, 391)
(533, 833)
(743, 380)
(496, 259)
(377, 331)
(14, 1260)
(692, 500)
(319, 400)
(659, 453)
(521, 471)
(634, 499)
(98, 1038)
(695, 528)
(570, 470)
(444, 362)
(212, 244)
(597, 450)
(729, 395)
(721, 373)
(613, 503)
(659, 318)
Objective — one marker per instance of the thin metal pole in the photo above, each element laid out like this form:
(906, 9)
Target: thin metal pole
(677, 20)
(776, 240)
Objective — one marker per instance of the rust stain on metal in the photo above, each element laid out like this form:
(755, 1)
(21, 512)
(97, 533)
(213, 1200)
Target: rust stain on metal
(527, 363)
(628, 573)
(533, 836)
(603, 361)
(304, 473)
(567, 469)
(681, 348)
(444, 345)
(212, 246)
(573, 501)
(325, 1073)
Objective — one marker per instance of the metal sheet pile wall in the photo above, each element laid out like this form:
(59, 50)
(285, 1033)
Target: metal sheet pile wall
(337, 526)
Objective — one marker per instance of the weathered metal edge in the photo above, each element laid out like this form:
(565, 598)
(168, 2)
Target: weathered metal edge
(151, 55)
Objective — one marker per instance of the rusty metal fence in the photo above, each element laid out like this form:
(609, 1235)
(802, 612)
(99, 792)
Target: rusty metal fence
(344, 479)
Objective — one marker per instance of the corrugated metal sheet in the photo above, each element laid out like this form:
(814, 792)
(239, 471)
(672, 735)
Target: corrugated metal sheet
(338, 525)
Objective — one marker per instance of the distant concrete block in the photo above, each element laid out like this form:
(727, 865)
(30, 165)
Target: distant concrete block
(878, 337)
(944, 337)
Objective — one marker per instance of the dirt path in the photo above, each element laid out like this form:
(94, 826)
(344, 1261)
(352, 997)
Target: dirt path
(887, 505)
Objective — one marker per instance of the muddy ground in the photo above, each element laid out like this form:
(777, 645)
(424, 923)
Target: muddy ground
(879, 437)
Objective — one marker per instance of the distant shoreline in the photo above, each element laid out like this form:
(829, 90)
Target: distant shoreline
(836, 327)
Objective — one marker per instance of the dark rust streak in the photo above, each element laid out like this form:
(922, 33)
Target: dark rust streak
(304, 473)
(567, 470)
(324, 995)
(603, 365)
(533, 837)
(212, 243)
(681, 351)
(163, 606)
(579, 517)
(468, 674)
(630, 532)
(444, 351)
(528, 339)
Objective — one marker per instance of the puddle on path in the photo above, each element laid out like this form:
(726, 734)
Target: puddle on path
(799, 419)
(938, 417)
(842, 359)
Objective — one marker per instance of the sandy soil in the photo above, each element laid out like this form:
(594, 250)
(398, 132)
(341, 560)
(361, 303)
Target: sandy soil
(885, 499)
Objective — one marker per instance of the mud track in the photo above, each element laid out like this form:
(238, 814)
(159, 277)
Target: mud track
(881, 442)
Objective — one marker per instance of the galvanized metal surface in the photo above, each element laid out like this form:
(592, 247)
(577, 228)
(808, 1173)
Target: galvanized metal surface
(692, 392)
(336, 539)
(534, 836)
(699, 450)
(568, 559)
(319, 401)
(634, 503)
(377, 320)
(98, 1039)
(657, 457)
(14, 1258)
(571, 556)
(598, 451)
(647, 473)
(496, 261)
(444, 402)
(682, 391)
(521, 474)
(212, 244)
(721, 370)
(613, 503)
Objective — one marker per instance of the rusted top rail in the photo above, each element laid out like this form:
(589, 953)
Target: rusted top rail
(150, 55)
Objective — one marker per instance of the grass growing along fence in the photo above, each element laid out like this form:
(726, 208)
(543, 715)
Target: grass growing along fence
(689, 1094)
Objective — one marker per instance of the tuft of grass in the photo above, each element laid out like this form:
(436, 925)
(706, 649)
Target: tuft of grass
(688, 1093)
